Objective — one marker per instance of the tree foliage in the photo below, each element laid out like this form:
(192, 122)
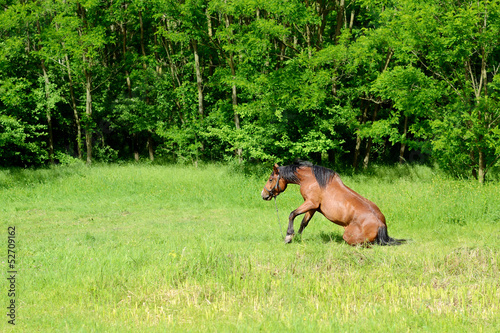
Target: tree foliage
(345, 82)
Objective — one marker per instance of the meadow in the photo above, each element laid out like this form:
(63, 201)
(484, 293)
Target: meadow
(135, 248)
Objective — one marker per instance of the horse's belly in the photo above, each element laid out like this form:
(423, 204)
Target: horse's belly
(344, 211)
(337, 213)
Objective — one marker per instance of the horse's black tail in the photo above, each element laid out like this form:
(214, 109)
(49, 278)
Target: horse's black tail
(384, 239)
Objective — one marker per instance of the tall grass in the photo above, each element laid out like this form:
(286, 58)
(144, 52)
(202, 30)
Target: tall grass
(176, 248)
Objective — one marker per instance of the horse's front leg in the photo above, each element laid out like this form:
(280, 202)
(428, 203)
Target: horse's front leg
(305, 221)
(305, 207)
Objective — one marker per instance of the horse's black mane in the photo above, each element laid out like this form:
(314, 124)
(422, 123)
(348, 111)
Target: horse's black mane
(289, 172)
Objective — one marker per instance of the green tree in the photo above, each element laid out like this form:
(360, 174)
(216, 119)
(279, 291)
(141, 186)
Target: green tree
(23, 131)
(456, 43)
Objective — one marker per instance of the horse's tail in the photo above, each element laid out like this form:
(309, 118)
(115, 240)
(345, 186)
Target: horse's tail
(384, 239)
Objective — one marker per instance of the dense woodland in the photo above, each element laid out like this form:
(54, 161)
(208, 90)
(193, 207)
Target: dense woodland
(336, 82)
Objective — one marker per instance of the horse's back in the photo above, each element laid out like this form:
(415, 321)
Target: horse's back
(343, 206)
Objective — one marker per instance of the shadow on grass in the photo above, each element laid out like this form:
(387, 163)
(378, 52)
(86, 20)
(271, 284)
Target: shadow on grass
(325, 237)
(10, 177)
(329, 237)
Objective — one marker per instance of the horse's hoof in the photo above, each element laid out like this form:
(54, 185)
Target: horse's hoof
(288, 239)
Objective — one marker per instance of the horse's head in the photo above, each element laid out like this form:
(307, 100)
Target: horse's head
(274, 186)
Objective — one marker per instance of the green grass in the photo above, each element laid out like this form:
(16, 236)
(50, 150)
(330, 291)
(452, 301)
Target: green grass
(172, 248)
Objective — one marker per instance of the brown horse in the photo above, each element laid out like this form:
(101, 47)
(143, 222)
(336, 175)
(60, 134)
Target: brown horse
(324, 192)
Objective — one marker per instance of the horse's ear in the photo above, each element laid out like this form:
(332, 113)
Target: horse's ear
(276, 169)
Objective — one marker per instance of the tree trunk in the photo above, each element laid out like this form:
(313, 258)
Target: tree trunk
(209, 24)
(88, 91)
(88, 112)
(73, 102)
(234, 99)
(340, 19)
(366, 160)
(148, 101)
(483, 82)
(143, 50)
(234, 96)
(173, 72)
(151, 148)
(479, 86)
(199, 79)
(75, 111)
(47, 103)
(357, 150)
(47, 113)
(282, 52)
(481, 167)
(351, 22)
(324, 10)
(134, 147)
(159, 62)
(167, 45)
(308, 40)
(403, 144)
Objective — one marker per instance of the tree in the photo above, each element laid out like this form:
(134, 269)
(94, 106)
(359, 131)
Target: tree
(335, 82)
(456, 43)
(22, 129)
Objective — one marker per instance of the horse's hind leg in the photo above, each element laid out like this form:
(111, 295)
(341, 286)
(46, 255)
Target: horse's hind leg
(305, 221)
(356, 234)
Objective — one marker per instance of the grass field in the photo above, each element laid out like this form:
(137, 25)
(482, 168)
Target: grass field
(172, 248)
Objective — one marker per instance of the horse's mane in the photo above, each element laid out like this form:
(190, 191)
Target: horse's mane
(323, 175)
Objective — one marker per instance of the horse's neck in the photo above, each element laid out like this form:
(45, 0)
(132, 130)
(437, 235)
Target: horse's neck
(305, 175)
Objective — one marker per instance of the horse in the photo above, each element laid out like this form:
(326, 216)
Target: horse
(324, 192)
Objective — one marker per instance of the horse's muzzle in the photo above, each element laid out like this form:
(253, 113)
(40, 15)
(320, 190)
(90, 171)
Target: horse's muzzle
(266, 196)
